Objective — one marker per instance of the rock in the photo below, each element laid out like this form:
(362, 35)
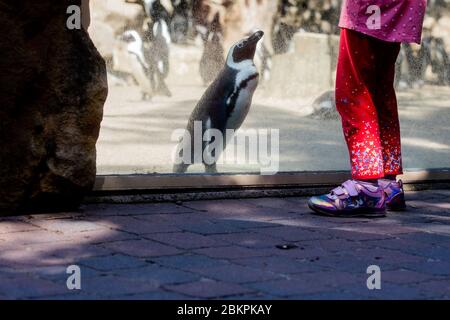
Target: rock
(53, 87)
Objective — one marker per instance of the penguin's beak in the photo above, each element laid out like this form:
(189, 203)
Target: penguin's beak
(254, 38)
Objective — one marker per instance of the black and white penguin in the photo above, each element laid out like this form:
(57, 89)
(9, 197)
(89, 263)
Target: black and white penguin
(212, 60)
(137, 61)
(226, 102)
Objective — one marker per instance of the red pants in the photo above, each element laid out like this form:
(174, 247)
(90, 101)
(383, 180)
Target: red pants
(366, 101)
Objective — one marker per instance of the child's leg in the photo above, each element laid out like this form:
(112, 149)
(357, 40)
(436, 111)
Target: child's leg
(385, 101)
(356, 77)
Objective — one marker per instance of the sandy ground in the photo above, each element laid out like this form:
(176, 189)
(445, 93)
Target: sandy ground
(136, 135)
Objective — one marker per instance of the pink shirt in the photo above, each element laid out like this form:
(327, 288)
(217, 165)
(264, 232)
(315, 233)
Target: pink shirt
(388, 20)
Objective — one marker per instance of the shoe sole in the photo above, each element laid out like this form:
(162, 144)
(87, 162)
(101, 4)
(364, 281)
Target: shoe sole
(357, 213)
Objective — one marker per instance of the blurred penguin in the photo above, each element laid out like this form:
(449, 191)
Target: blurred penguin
(179, 23)
(155, 10)
(137, 62)
(160, 52)
(212, 60)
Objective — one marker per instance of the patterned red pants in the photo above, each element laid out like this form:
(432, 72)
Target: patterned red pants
(365, 98)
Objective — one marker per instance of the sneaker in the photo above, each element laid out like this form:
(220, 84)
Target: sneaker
(395, 195)
(352, 199)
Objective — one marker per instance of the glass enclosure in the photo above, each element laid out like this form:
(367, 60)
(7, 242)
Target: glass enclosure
(293, 105)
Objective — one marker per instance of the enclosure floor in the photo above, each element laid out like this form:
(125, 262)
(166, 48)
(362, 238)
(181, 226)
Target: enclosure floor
(228, 249)
(136, 136)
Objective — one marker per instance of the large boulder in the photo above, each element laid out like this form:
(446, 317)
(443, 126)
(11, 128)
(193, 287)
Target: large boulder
(52, 89)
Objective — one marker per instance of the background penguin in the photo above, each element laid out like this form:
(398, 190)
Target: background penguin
(137, 63)
(212, 60)
(226, 102)
(179, 23)
(159, 52)
(156, 11)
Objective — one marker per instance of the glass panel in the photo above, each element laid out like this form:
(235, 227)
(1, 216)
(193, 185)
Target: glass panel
(293, 106)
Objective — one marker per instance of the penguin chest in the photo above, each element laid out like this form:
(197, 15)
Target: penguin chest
(242, 103)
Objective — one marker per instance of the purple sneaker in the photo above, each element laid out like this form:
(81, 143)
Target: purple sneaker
(395, 195)
(352, 199)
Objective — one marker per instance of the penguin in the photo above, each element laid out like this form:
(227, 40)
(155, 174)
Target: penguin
(225, 103)
(139, 65)
(179, 23)
(212, 60)
(156, 10)
(160, 52)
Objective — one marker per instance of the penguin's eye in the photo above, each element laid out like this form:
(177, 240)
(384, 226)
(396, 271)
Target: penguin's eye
(240, 45)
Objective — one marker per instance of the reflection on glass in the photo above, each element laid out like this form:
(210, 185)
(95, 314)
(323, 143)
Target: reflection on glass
(162, 55)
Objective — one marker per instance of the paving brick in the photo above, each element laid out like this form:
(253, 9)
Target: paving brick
(157, 295)
(190, 261)
(102, 236)
(207, 228)
(110, 286)
(435, 289)
(290, 233)
(15, 226)
(68, 226)
(388, 291)
(286, 287)
(142, 248)
(350, 263)
(432, 267)
(233, 252)
(278, 265)
(248, 239)
(224, 206)
(241, 223)
(384, 256)
(135, 226)
(23, 286)
(185, 240)
(404, 277)
(159, 275)
(133, 209)
(30, 237)
(236, 274)
(355, 235)
(113, 262)
(208, 289)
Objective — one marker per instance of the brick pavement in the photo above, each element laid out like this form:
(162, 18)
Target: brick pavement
(230, 249)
